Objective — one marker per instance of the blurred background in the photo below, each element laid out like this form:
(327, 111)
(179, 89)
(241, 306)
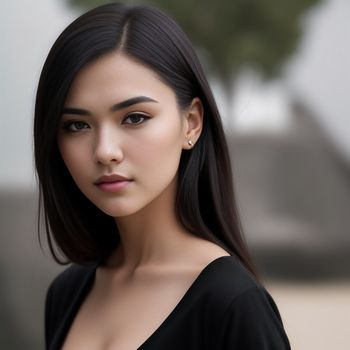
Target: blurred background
(280, 73)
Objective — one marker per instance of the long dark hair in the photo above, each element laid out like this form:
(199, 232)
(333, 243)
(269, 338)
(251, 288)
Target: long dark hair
(205, 202)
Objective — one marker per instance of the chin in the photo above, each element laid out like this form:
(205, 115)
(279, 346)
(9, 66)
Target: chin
(117, 210)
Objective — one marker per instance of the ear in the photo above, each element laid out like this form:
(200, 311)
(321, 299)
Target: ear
(193, 123)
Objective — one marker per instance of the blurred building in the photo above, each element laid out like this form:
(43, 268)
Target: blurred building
(293, 188)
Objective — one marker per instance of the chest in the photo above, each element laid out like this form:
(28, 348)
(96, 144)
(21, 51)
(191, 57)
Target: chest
(127, 315)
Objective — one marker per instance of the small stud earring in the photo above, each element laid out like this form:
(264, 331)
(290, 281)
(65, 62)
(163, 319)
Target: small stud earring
(190, 143)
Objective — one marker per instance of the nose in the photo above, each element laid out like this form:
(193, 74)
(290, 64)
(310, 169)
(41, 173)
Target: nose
(108, 147)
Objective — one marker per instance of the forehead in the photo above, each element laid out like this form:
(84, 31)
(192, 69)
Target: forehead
(116, 76)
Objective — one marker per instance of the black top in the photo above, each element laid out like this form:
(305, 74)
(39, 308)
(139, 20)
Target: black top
(224, 308)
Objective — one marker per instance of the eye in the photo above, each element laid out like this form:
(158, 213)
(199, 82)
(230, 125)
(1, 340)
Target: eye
(74, 126)
(135, 119)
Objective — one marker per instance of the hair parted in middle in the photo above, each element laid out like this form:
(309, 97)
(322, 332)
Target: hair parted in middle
(205, 203)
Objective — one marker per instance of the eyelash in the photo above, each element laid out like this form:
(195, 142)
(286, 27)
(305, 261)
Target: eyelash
(68, 124)
(145, 118)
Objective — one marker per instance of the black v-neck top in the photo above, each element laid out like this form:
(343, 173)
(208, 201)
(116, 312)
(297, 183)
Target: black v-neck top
(224, 308)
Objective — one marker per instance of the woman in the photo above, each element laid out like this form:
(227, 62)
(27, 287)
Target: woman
(136, 186)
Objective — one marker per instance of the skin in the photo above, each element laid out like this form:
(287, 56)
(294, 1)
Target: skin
(156, 252)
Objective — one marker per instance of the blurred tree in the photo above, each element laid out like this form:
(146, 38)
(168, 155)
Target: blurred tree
(233, 34)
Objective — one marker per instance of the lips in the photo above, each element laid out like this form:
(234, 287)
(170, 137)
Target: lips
(111, 178)
(112, 183)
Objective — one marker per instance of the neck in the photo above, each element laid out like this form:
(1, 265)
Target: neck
(153, 235)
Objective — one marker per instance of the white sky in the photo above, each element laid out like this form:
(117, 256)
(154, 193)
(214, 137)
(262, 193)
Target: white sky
(319, 73)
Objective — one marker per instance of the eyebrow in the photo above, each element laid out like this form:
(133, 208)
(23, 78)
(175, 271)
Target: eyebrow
(120, 105)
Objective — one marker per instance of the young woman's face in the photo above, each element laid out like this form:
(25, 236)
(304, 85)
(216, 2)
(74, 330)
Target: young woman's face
(119, 118)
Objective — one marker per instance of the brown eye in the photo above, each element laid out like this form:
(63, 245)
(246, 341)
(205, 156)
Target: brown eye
(75, 126)
(135, 119)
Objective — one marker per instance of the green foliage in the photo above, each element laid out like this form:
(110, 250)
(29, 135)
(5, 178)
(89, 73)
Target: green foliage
(233, 34)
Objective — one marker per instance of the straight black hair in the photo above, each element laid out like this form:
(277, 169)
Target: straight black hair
(205, 203)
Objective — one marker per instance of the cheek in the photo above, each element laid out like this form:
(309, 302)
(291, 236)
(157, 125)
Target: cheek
(161, 147)
(73, 157)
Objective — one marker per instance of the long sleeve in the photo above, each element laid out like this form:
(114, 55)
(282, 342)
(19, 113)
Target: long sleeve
(252, 321)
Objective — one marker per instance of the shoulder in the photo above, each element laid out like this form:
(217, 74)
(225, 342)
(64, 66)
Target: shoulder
(222, 282)
(68, 281)
(226, 279)
(72, 274)
(245, 314)
(252, 321)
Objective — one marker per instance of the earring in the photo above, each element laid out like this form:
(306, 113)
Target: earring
(190, 143)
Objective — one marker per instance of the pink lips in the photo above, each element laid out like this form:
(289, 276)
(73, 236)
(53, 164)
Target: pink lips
(112, 183)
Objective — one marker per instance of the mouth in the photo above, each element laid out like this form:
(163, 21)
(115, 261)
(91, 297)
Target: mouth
(111, 178)
(113, 186)
(112, 183)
